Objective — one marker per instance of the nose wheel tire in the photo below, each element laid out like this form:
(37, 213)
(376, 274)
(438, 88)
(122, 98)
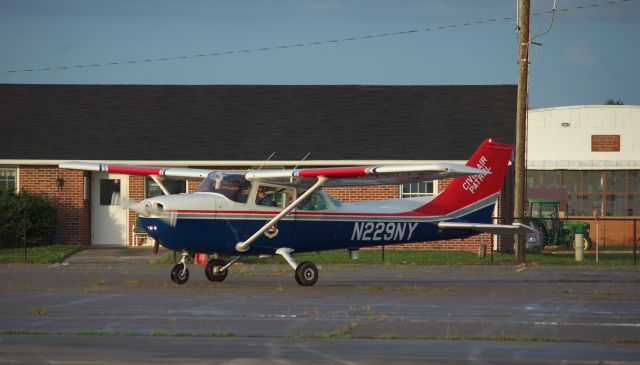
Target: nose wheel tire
(179, 274)
(306, 273)
(212, 270)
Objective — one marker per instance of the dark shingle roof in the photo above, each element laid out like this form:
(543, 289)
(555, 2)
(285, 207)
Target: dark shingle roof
(227, 122)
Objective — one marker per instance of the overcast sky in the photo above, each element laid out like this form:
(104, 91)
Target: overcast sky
(590, 55)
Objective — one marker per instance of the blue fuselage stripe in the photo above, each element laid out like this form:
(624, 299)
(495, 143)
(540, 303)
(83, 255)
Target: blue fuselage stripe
(208, 234)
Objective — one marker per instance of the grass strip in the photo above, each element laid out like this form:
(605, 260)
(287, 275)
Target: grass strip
(432, 257)
(49, 254)
(338, 334)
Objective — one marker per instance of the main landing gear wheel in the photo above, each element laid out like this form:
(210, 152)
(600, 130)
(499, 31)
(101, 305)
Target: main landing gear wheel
(212, 270)
(306, 273)
(180, 273)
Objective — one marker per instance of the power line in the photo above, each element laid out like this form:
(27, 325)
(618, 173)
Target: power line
(308, 44)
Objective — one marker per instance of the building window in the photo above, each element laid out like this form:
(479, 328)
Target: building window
(109, 191)
(551, 179)
(152, 189)
(8, 178)
(415, 189)
(611, 193)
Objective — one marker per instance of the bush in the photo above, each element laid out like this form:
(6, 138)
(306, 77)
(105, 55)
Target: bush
(40, 217)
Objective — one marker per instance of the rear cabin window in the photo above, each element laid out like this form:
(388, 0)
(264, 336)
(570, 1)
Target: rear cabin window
(315, 201)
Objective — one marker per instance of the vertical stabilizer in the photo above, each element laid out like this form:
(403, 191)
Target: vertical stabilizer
(467, 190)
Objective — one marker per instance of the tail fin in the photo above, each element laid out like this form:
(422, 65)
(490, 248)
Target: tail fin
(464, 191)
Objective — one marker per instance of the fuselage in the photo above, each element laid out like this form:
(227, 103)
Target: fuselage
(211, 222)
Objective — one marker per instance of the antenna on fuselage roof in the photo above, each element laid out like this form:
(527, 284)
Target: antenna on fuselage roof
(304, 158)
(267, 160)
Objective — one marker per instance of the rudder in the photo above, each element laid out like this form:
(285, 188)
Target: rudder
(466, 190)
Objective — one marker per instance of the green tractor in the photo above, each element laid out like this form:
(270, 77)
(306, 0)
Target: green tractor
(544, 216)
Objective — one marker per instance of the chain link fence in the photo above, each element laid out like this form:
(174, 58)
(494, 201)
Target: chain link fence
(611, 241)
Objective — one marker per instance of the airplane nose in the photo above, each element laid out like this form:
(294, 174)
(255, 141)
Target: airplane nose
(142, 208)
(148, 207)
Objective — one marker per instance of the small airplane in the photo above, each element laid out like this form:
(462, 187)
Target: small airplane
(282, 212)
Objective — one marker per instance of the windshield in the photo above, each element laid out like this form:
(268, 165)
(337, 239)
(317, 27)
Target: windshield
(548, 210)
(233, 186)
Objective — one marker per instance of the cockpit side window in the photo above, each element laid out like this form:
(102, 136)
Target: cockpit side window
(272, 196)
(233, 186)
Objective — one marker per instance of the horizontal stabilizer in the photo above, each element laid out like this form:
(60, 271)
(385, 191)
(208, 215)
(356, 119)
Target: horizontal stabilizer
(514, 228)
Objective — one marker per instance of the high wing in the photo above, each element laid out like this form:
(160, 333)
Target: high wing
(336, 176)
(364, 175)
(176, 172)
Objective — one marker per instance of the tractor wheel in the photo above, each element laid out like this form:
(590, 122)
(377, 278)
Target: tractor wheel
(544, 235)
(586, 243)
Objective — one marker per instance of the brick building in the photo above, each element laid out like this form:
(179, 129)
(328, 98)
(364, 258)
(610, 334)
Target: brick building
(227, 126)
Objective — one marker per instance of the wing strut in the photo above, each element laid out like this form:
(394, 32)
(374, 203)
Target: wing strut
(515, 228)
(244, 246)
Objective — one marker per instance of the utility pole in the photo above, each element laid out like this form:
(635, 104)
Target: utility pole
(521, 117)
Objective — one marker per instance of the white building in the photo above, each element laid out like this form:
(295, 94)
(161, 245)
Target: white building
(593, 151)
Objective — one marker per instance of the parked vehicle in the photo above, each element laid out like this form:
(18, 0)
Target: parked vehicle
(544, 216)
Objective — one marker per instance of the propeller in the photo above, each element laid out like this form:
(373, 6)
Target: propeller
(146, 209)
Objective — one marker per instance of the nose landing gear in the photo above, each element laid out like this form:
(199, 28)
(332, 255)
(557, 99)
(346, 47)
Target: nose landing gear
(180, 272)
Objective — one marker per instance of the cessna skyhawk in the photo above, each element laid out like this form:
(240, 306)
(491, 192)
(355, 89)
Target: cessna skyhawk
(284, 212)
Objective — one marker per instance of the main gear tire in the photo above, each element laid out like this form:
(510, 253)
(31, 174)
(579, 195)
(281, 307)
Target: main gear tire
(306, 273)
(212, 270)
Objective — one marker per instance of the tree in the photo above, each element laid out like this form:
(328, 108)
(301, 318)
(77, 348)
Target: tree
(613, 102)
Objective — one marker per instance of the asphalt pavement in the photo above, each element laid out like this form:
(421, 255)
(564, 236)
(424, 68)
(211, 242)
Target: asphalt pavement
(356, 313)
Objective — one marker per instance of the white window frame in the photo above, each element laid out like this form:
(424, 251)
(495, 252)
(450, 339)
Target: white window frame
(186, 185)
(403, 195)
(15, 171)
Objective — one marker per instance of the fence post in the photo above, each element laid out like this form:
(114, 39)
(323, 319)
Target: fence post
(635, 241)
(24, 235)
(491, 250)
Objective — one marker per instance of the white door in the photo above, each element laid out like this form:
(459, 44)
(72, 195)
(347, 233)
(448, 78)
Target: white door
(109, 219)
